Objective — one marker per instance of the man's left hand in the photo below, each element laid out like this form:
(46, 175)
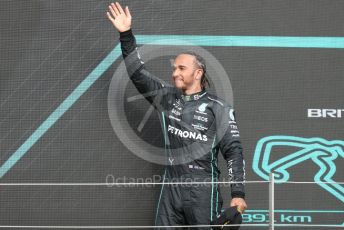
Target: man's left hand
(242, 206)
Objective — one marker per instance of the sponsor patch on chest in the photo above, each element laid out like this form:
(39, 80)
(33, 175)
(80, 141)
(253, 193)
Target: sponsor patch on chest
(201, 118)
(186, 134)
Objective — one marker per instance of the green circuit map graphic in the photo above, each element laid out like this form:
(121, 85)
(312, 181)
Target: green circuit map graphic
(322, 152)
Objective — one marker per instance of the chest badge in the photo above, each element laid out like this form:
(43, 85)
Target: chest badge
(202, 107)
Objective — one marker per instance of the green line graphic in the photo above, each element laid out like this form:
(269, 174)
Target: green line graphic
(177, 40)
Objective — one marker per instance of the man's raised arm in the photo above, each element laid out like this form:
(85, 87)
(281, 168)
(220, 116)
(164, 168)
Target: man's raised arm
(146, 83)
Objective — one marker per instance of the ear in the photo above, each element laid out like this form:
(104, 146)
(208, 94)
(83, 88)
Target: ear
(199, 74)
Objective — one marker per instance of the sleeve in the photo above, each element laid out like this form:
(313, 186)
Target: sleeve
(148, 85)
(231, 149)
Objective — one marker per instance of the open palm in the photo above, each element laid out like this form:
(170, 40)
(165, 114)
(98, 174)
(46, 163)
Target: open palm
(121, 19)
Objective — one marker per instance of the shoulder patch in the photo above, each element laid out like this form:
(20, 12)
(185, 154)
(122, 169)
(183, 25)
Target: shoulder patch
(231, 115)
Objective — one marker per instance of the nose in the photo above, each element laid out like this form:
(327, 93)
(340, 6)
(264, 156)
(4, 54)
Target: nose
(175, 73)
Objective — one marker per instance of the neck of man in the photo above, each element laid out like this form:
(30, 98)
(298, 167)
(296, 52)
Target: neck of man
(192, 90)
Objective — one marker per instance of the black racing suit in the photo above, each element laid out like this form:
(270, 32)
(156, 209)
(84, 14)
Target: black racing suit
(195, 128)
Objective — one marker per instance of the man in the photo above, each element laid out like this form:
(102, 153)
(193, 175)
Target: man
(196, 126)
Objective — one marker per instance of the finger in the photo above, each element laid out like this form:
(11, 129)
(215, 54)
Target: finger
(119, 7)
(127, 12)
(114, 7)
(112, 12)
(240, 209)
(110, 18)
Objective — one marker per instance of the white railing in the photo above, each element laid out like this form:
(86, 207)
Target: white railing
(271, 225)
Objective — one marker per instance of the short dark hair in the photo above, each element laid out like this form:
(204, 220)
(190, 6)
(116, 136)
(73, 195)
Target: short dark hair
(200, 62)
